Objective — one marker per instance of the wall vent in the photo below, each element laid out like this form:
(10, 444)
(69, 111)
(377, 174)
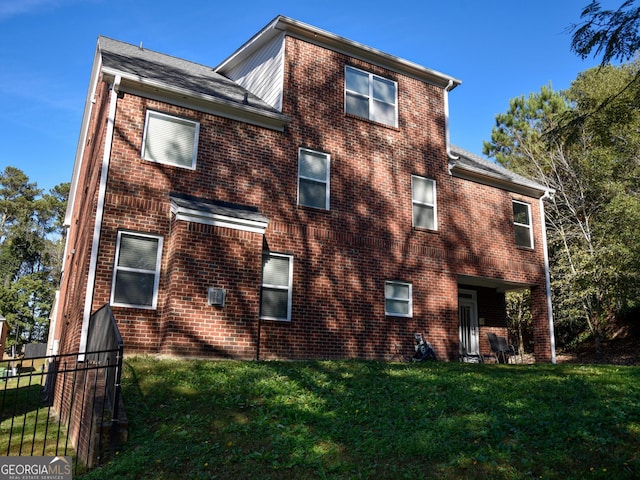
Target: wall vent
(216, 296)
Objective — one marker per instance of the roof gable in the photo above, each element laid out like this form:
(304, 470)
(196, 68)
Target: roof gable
(180, 81)
(288, 26)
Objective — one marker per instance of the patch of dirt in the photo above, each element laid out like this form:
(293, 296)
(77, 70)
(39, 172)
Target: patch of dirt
(619, 351)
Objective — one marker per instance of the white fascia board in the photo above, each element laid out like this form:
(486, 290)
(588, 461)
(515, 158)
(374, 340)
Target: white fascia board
(481, 177)
(338, 44)
(205, 103)
(84, 131)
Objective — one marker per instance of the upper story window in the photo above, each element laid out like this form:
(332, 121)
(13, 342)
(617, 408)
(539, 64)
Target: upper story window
(522, 224)
(398, 299)
(277, 286)
(423, 193)
(171, 140)
(370, 96)
(137, 270)
(313, 178)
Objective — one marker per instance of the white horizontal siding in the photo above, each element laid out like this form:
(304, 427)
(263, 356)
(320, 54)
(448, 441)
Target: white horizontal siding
(262, 72)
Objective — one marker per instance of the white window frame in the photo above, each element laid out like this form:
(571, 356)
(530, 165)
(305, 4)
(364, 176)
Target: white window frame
(434, 205)
(409, 300)
(528, 226)
(175, 119)
(288, 288)
(155, 272)
(326, 182)
(370, 95)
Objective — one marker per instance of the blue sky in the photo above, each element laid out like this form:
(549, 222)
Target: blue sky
(500, 49)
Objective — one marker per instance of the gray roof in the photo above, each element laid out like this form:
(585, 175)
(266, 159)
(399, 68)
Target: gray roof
(148, 65)
(214, 207)
(482, 167)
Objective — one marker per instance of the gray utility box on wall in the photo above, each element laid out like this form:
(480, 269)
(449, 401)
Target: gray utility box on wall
(216, 296)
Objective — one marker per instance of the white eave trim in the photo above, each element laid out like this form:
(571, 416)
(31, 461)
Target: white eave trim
(218, 220)
(485, 179)
(161, 91)
(338, 44)
(84, 132)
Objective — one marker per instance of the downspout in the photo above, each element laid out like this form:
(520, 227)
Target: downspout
(97, 227)
(543, 224)
(447, 135)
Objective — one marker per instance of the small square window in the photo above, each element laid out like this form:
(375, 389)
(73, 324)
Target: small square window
(398, 299)
(171, 140)
(423, 192)
(313, 179)
(137, 271)
(277, 286)
(522, 224)
(370, 96)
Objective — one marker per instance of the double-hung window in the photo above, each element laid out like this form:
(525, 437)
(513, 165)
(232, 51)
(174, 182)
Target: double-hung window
(398, 299)
(136, 274)
(370, 96)
(277, 283)
(522, 224)
(313, 178)
(423, 197)
(171, 140)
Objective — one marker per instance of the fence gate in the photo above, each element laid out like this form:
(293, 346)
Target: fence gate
(67, 404)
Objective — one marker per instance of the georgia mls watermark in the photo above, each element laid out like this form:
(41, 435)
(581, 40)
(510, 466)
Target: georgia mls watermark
(35, 468)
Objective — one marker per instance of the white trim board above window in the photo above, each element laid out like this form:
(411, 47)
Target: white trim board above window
(170, 140)
(219, 214)
(522, 224)
(136, 273)
(313, 178)
(424, 199)
(398, 299)
(370, 96)
(277, 286)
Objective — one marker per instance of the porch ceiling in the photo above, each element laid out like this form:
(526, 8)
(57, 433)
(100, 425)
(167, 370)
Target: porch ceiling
(499, 284)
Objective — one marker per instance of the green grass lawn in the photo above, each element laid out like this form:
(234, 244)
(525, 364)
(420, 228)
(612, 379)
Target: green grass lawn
(357, 419)
(27, 427)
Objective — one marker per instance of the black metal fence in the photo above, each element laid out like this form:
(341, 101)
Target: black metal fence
(67, 404)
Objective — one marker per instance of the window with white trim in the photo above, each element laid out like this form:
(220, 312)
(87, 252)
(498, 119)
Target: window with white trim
(398, 299)
(371, 96)
(136, 273)
(313, 178)
(171, 140)
(522, 224)
(423, 198)
(277, 286)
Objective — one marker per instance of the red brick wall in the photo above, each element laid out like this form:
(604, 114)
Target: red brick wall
(342, 257)
(80, 234)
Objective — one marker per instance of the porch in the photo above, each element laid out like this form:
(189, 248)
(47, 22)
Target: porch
(482, 309)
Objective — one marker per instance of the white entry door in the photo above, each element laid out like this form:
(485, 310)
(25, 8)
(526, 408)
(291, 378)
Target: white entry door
(468, 323)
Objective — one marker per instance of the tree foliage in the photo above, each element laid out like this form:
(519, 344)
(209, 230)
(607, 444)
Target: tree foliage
(610, 33)
(594, 217)
(31, 242)
(519, 318)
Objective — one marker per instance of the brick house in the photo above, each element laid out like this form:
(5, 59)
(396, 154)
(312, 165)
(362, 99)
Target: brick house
(299, 200)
